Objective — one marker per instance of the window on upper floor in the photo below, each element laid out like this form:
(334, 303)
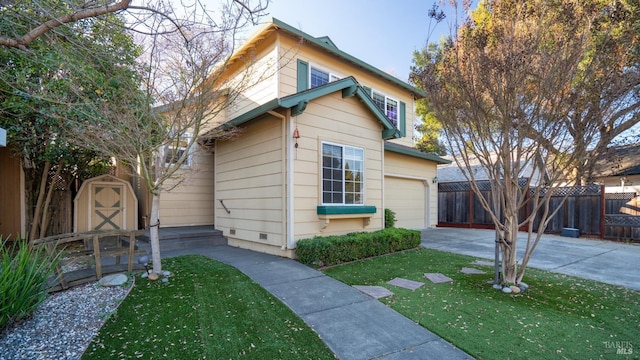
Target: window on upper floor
(319, 77)
(388, 105)
(175, 150)
(342, 174)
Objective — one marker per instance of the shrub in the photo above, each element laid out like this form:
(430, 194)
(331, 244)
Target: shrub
(389, 218)
(332, 250)
(23, 275)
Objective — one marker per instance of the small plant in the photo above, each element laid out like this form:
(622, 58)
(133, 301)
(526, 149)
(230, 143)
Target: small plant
(23, 275)
(389, 218)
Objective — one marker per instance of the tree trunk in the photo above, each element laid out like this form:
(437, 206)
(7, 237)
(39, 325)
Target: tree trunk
(35, 221)
(44, 222)
(154, 232)
(509, 250)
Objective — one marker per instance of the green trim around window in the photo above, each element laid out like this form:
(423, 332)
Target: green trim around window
(303, 75)
(346, 209)
(403, 119)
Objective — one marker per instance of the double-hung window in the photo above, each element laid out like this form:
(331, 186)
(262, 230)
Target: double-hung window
(176, 149)
(321, 77)
(388, 105)
(342, 174)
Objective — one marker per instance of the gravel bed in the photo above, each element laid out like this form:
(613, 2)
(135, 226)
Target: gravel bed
(63, 325)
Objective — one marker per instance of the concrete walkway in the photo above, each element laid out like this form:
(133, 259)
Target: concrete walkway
(356, 326)
(605, 261)
(353, 325)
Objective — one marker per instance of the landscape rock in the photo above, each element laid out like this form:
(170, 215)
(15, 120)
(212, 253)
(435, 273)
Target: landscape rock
(497, 286)
(113, 280)
(515, 289)
(507, 290)
(523, 286)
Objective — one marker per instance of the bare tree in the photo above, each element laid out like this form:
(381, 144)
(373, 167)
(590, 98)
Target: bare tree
(503, 92)
(152, 116)
(186, 90)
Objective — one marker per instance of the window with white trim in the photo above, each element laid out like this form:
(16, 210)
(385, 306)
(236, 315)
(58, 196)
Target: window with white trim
(176, 149)
(388, 105)
(319, 77)
(342, 174)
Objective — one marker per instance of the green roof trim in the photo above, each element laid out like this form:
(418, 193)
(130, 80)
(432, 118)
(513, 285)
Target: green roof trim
(328, 45)
(346, 209)
(298, 103)
(406, 150)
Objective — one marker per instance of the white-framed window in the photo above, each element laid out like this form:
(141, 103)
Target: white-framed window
(319, 76)
(342, 174)
(175, 150)
(388, 105)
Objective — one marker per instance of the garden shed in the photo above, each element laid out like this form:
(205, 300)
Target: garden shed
(105, 203)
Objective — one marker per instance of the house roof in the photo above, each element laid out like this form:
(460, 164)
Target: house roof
(407, 150)
(452, 173)
(298, 103)
(326, 44)
(619, 161)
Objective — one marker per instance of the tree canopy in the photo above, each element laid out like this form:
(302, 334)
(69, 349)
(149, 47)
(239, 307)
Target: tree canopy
(527, 85)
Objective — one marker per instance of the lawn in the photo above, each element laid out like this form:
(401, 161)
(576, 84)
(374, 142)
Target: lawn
(207, 310)
(558, 317)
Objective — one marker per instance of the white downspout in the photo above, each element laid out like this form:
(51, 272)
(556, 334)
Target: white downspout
(287, 178)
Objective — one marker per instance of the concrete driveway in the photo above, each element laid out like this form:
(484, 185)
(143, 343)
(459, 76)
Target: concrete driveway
(605, 261)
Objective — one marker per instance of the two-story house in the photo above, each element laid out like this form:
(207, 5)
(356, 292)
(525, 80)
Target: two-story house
(325, 146)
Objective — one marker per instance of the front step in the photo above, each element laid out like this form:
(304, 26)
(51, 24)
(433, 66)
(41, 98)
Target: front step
(184, 238)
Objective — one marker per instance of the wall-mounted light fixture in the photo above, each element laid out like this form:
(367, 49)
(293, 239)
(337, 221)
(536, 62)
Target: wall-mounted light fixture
(435, 180)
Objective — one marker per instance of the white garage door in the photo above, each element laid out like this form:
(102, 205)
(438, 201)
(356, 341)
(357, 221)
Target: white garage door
(406, 197)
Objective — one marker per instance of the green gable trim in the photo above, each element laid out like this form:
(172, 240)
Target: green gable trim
(346, 209)
(303, 76)
(330, 47)
(403, 119)
(298, 103)
(405, 150)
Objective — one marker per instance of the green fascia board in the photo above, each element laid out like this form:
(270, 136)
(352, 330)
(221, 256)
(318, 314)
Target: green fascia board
(252, 114)
(405, 150)
(297, 102)
(346, 209)
(326, 45)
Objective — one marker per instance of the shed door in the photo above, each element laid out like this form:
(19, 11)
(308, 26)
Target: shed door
(407, 198)
(106, 204)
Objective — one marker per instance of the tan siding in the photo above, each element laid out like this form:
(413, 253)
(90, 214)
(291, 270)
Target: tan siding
(305, 52)
(341, 121)
(191, 202)
(413, 168)
(250, 183)
(257, 83)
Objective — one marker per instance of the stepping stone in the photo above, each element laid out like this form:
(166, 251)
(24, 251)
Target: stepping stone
(437, 278)
(483, 263)
(405, 283)
(376, 292)
(113, 280)
(466, 270)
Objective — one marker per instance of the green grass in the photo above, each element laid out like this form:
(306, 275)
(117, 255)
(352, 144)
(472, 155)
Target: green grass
(559, 317)
(208, 310)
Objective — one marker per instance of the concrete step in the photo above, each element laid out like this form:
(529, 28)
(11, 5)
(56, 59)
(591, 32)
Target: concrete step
(184, 238)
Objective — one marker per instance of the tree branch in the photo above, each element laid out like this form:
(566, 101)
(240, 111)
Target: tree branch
(23, 42)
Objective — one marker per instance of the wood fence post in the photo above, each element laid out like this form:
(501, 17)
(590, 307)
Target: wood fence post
(602, 211)
(470, 206)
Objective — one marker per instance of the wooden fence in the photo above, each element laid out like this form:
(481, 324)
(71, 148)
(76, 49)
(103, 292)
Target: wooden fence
(587, 208)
